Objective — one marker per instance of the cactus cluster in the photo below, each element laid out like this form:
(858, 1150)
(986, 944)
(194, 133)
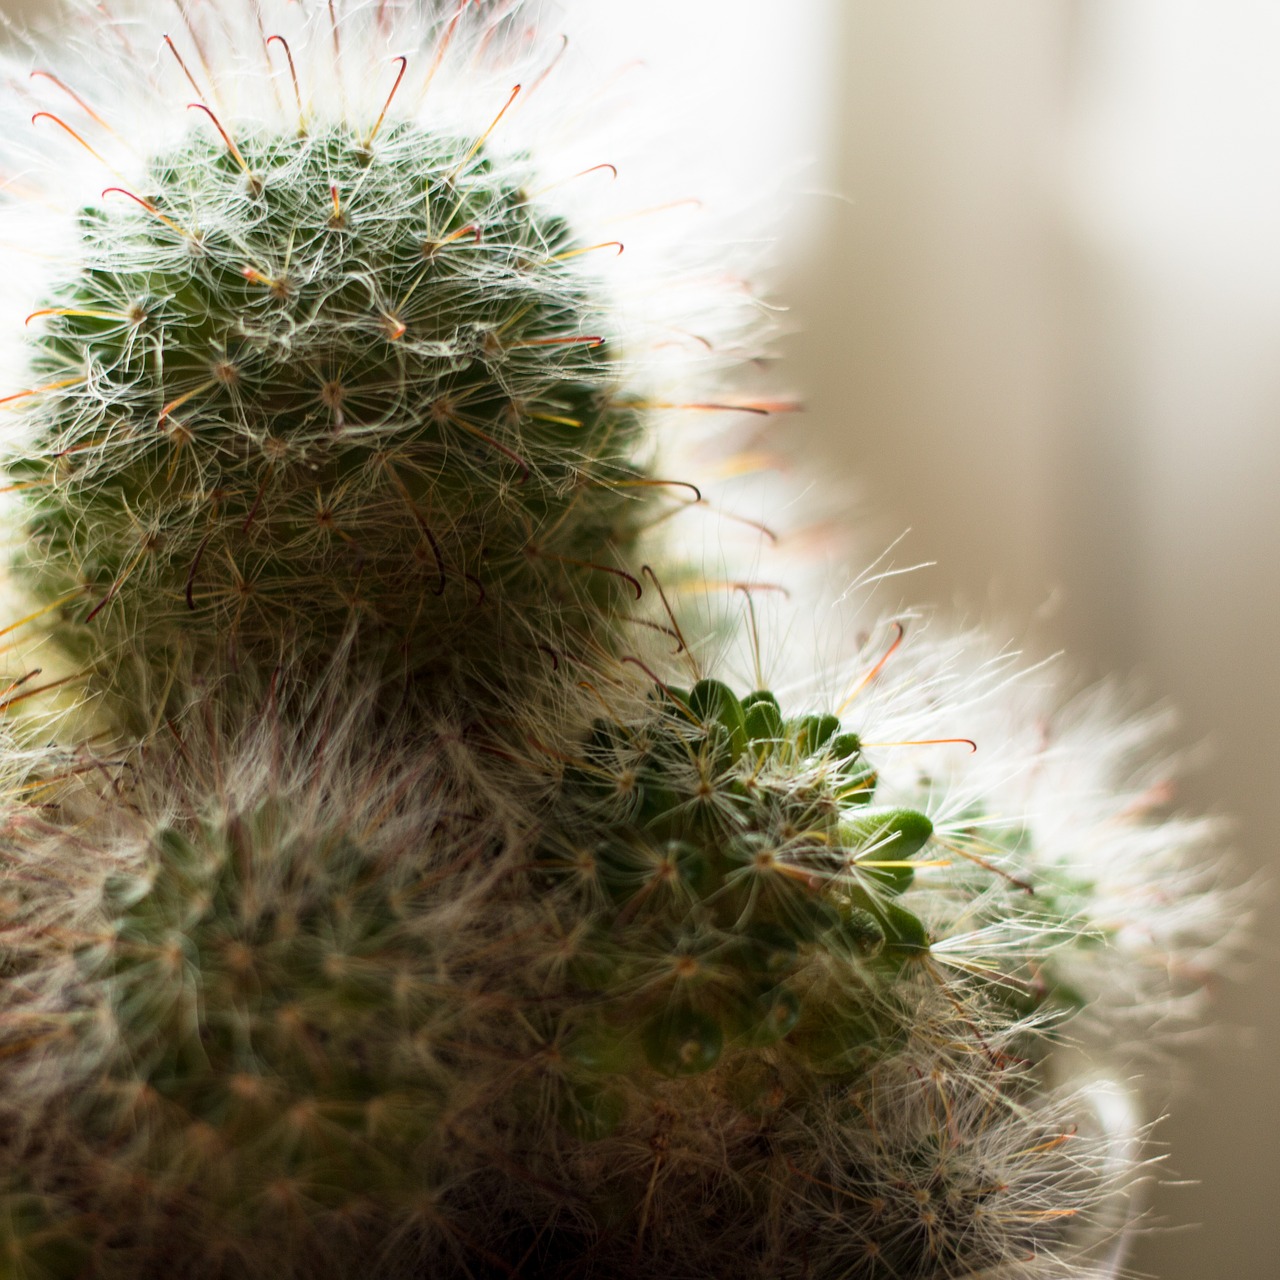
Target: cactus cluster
(402, 897)
(279, 1011)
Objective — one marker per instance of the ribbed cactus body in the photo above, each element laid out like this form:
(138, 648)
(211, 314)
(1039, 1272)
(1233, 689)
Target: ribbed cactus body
(275, 1026)
(322, 388)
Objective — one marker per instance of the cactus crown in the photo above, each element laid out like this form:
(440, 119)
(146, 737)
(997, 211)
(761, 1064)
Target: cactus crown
(322, 386)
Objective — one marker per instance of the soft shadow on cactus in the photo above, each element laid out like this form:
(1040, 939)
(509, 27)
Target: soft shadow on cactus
(281, 1005)
(418, 901)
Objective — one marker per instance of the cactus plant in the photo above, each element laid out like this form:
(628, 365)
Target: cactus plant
(313, 1012)
(343, 380)
(573, 959)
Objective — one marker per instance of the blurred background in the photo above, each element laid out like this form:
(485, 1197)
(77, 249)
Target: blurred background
(1042, 330)
(1032, 256)
(1045, 334)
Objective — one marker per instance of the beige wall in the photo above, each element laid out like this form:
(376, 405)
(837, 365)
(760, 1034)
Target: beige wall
(929, 349)
(1043, 334)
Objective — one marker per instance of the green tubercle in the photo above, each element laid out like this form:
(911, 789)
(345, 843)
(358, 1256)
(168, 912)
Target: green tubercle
(747, 871)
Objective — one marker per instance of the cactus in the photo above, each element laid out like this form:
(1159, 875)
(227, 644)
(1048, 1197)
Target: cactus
(328, 383)
(410, 908)
(321, 1014)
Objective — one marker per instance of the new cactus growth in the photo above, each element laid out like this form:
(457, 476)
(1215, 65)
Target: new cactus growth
(406, 910)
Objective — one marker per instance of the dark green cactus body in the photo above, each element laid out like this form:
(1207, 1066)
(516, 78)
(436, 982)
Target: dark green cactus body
(273, 1047)
(745, 881)
(749, 944)
(352, 392)
(323, 1025)
(279, 1023)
